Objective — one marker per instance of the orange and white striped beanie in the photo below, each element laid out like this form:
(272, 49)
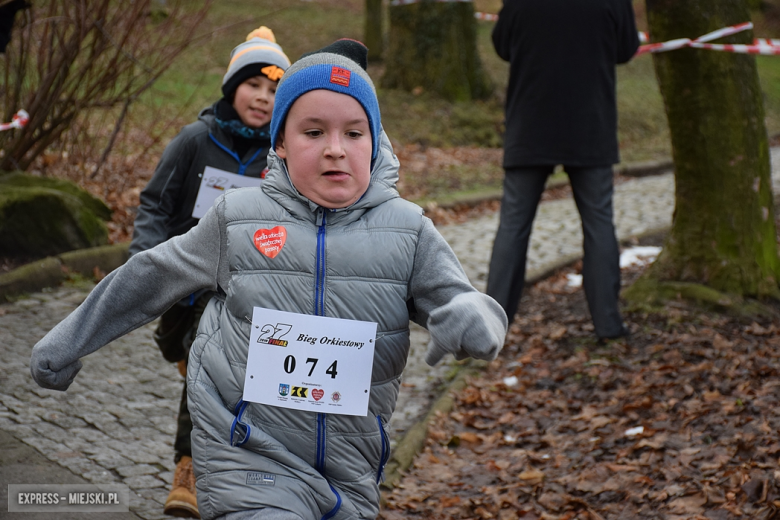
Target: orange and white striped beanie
(259, 55)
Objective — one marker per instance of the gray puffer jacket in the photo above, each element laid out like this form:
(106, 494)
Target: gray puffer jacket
(379, 260)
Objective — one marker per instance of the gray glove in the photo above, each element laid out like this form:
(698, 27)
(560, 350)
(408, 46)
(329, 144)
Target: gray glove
(470, 325)
(48, 374)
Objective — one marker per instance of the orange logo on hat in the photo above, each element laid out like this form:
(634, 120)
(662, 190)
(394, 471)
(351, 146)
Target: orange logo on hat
(273, 72)
(340, 76)
(270, 241)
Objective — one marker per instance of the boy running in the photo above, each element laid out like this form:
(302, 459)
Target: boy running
(326, 235)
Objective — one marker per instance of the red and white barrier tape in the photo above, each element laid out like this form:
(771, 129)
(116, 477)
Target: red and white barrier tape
(17, 121)
(699, 43)
(758, 47)
(486, 17)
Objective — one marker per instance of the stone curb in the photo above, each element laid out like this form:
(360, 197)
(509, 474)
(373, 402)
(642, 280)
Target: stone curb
(639, 169)
(53, 270)
(644, 169)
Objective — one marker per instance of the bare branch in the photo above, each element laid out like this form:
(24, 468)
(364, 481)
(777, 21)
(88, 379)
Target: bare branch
(70, 56)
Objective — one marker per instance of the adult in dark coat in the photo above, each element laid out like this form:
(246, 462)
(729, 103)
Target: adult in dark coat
(561, 109)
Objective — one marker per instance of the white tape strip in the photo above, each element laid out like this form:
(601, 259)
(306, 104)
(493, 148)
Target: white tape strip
(486, 17)
(739, 48)
(726, 31)
(699, 42)
(17, 121)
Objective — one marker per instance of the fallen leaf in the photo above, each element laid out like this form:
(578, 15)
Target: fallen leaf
(450, 501)
(469, 437)
(690, 505)
(531, 476)
(558, 333)
(721, 343)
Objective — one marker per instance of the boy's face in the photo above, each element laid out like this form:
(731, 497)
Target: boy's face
(327, 145)
(254, 101)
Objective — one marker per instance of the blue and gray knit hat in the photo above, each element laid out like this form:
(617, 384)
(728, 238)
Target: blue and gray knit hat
(340, 67)
(259, 55)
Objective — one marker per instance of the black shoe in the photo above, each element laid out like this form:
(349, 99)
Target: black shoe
(623, 334)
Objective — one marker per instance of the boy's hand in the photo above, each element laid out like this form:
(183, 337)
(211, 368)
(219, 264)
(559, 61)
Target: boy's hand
(471, 324)
(436, 352)
(47, 377)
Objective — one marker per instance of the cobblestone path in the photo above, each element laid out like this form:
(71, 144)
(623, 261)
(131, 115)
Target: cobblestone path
(117, 421)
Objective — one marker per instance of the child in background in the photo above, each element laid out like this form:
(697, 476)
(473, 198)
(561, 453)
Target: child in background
(325, 235)
(232, 136)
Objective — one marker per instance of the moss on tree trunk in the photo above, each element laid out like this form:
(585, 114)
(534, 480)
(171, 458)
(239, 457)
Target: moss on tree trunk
(433, 45)
(372, 30)
(723, 232)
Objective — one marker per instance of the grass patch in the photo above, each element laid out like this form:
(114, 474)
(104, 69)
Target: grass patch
(643, 132)
(769, 74)
(430, 121)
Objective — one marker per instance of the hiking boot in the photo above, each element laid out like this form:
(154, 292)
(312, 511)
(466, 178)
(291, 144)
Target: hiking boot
(181, 501)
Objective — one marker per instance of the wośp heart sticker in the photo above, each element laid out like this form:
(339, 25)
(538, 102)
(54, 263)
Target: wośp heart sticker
(317, 393)
(270, 241)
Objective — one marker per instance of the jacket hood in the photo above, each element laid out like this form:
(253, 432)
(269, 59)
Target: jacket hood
(381, 187)
(207, 115)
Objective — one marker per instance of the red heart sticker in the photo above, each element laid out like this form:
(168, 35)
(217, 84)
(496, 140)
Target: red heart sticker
(317, 393)
(270, 241)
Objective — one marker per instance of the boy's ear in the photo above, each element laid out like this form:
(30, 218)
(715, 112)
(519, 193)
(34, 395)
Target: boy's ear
(280, 149)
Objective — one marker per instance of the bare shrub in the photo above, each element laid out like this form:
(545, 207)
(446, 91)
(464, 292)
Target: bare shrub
(68, 58)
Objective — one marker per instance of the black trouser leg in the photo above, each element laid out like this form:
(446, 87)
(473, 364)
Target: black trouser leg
(593, 190)
(181, 445)
(523, 188)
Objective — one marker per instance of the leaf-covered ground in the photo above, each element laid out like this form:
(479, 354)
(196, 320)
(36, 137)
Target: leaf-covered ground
(680, 421)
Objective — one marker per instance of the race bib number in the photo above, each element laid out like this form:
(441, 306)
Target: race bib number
(310, 362)
(214, 183)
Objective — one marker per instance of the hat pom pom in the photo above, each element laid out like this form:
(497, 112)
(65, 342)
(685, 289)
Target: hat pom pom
(263, 33)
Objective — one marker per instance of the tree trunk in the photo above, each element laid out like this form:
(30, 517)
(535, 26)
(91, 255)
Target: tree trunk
(372, 31)
(433, 47)
(723, 233)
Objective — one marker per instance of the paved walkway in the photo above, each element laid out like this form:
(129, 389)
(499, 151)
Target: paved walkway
(116, 423)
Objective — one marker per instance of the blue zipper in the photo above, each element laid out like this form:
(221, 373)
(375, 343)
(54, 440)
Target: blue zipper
(332, 512)
(319, 281)
(319, 310)
(238, 412)
(385, 451)
(321, 443)
(241, 166)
